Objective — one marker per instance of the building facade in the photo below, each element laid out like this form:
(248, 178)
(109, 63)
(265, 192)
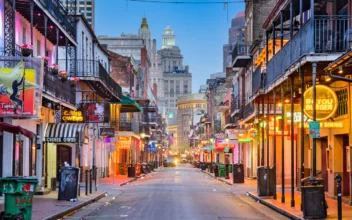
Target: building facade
(190, 108)
(81, 7)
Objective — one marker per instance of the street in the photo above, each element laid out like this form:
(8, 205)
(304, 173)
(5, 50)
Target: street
(182, 192)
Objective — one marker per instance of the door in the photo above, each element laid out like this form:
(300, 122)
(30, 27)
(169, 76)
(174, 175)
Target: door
(63, 155)
(345, 174)
(324, 171)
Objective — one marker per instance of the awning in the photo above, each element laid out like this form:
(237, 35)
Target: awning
(129, 105)
(16, 130)
(66, 133)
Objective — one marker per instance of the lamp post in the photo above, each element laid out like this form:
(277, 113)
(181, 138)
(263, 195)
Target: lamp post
(212, 141)
(227, 159)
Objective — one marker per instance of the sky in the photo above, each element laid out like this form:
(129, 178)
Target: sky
(201, 29)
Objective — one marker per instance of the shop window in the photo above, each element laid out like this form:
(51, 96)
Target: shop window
(342, 107)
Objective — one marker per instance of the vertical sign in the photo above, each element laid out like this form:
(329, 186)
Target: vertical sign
(314, 129)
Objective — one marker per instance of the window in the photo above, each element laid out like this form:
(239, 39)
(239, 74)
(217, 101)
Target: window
(38, 48)
(342, 97)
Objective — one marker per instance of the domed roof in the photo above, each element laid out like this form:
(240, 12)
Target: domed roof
(168, 30)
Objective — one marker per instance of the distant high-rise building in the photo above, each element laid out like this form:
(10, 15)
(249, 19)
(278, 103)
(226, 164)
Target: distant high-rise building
(81, 7)
(175, 77)
(236, 35)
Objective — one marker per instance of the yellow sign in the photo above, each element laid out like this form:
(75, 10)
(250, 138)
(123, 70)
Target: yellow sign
(72, 116)
(325, 124)
(326, 102)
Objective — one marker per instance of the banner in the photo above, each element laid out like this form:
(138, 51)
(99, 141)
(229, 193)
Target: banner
(20, 88)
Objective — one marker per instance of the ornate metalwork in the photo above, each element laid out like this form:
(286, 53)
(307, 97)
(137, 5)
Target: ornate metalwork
(72, 59)
(9, 35)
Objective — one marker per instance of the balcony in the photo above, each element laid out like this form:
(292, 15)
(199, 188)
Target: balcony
(126, 125)
(248, 110)
(61, 90)
(257, 79)
(229, 121)
(95, 75)
(61, 15)
(331, 34)
(235, 106)
(241, 55)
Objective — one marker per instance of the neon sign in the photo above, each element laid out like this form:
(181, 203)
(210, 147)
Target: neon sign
(72, 116)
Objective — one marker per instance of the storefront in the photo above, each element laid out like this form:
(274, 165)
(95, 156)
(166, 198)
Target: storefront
(66, 143)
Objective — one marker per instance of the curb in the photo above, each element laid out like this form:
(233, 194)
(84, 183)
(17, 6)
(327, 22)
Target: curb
(134, 179)
(273, 207)
(218, 178)
(74, 208)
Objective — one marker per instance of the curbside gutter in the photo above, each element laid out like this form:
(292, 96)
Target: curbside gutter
(273, 207)
(218, 178)
(74, 208)
(134, 179)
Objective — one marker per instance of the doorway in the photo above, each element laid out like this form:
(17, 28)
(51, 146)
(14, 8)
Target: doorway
(63, 155)
(324, 168)
(345, 174)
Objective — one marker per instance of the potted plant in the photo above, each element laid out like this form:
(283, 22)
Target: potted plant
(26, 50)
(46, 60)
(63, 75)
(54, 69)
(74, 80)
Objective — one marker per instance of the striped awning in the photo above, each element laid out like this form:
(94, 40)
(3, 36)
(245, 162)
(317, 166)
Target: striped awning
(66, 133)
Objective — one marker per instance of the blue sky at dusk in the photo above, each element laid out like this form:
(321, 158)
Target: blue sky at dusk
(201, 30)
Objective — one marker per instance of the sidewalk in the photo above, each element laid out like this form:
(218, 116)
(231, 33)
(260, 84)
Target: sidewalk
(286, 209)
(48, 207)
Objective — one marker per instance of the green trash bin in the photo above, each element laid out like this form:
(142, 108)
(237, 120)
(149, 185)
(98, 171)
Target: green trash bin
(221, 170)
(19, 191)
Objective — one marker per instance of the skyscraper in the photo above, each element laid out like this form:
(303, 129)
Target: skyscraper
(81, 7)
(236, 34)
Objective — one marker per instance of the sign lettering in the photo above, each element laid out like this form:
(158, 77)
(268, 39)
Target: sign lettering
(72, 116)
(107, 132)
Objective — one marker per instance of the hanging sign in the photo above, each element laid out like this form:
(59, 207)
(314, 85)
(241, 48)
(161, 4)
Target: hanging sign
(110, 132)
(96, 112)
(314, 129)
(71, 116)
(232, 134)
(227, 149)
(326, 102)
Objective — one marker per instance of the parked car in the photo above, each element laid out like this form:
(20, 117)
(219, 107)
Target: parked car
(170, 162)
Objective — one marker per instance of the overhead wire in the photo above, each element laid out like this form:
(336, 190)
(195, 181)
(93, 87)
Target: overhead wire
(190, 2)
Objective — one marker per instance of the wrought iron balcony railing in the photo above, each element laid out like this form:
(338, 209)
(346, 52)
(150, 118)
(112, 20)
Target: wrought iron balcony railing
(61, 15)
(62, 90)
(91, 68)
(257, 79)
(329, 34)
(126, 125)
(248, 110)
(241, 55)
(229, 120)
(235, 105)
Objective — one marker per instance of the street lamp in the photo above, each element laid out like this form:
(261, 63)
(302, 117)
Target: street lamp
(212, 141)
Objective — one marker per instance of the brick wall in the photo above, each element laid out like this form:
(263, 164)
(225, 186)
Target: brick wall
(120, 69)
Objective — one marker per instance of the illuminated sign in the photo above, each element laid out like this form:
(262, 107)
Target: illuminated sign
(232, 134)
(20, 90)
(278, 132)
(96, 112)
(244, 140)
(325, 124)
(110, 132)
(326, 102)
(124, 142)
(72, 116)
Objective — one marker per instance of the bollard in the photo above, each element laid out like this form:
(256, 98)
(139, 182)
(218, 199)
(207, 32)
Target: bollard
(339, 195)
(90, 180)
(86, 182)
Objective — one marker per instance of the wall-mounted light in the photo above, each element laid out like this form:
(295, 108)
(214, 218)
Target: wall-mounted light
(327, 78)
(340, 69)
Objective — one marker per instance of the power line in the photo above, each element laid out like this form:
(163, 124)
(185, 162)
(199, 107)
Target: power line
(190, 2)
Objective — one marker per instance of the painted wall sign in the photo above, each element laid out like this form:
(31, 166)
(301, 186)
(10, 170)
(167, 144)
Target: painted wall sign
(61, 140)
(107, 132)
(72, 116)
(326, 102)
(232, 134)
(20, 90)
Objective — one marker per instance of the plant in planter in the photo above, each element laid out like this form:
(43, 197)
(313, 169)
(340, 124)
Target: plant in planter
(74, 80)
(54, 69)
(46, 60)
(63, 75)
(26, 50)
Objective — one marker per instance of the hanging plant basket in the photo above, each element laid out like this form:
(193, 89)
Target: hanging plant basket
(74, 80)
(63, 75)
(54, 69)
(26, 50)
(46, 61)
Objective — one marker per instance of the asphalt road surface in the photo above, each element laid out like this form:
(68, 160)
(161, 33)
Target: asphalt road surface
(180, 193)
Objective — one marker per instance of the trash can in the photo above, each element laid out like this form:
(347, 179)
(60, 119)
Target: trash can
(230, 168)
(266, 181)
(216, 170)
(221, 171)
(238, 173)
(203, 166)
(69, 182)
(156, 164)
(144, 168)
(19, 193)
(313, 198)
(131, 170)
